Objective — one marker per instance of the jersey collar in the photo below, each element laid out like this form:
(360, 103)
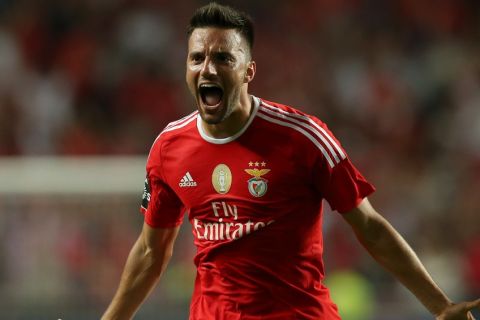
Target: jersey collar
(203, 134)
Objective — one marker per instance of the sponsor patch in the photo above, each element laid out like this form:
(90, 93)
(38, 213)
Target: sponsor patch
(146, 195)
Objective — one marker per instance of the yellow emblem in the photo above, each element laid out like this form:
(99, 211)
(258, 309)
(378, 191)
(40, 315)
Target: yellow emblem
(257, 173)
(222, 178)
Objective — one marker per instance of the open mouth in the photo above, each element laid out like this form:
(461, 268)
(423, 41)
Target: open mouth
(211, 94)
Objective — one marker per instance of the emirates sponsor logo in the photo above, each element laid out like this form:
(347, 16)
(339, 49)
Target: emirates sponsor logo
(226, 225)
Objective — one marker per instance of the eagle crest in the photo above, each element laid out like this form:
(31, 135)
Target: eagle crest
(257, 173)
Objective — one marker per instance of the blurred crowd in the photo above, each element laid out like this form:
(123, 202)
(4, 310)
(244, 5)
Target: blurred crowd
(397, 81)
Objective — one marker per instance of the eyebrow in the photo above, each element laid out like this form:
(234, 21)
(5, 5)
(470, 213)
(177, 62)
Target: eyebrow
(192, 53)
(227, 53)
(216, 53)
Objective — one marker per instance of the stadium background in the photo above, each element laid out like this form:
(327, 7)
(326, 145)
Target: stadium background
(85, 87)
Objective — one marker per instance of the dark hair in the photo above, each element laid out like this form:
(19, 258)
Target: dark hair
(220, 16)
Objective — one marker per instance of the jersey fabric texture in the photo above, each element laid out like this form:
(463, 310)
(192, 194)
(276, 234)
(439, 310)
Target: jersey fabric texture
(254, 201)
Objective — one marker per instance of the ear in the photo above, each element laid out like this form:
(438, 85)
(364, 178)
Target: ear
(250, 73)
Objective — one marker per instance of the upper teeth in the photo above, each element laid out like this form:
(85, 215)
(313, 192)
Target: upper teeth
(209, 85)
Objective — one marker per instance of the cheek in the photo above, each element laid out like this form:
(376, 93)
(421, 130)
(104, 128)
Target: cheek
(194, 68)
(190, 76)
(240, 72)
(238, 77)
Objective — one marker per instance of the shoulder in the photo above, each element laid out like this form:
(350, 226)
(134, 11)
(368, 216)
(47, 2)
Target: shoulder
(270, 106)
(288, 116)
(306, 127)
(291, 118)
(173, 130)
(177, 127)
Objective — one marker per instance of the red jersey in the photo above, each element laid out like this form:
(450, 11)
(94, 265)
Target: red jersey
(254, 201)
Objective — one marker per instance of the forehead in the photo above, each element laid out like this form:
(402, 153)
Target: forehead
(216, 39)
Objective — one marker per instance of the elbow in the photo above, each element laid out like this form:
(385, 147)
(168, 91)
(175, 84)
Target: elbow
(166, 255)
(155, 248)
(374, 232)
(158, 259)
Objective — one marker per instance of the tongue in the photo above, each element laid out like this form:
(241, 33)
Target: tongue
(213, 97)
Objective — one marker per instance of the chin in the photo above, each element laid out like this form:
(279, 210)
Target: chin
(214, 118)
(211, 119)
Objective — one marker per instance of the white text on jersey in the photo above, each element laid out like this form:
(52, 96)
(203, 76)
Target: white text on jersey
(225, 225)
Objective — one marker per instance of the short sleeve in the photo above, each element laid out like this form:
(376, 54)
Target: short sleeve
(345, 187)
(160, 205)
(336, 178)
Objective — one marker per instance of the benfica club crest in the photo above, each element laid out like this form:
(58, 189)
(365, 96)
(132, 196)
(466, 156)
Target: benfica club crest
(257, 185)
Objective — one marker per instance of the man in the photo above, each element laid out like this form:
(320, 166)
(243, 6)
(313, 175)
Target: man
(251, 174)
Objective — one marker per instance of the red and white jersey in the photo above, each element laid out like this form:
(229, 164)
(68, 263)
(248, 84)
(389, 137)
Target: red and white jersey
(254, 201)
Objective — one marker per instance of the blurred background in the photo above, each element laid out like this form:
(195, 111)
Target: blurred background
(86, 86)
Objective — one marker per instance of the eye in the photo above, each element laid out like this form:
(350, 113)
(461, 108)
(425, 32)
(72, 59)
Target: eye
(224, 57)
(196, 57)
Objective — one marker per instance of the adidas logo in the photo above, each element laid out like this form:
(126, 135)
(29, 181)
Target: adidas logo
(187, 181)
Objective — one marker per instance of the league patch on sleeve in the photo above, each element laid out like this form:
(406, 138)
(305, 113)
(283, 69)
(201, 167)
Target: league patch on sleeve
(146, 195)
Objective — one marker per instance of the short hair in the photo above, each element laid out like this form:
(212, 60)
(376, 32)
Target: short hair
(225, 17)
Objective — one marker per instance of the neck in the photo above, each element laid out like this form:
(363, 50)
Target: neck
(235, 121)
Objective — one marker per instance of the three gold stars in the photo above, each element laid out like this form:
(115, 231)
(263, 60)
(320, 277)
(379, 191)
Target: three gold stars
(257, 164)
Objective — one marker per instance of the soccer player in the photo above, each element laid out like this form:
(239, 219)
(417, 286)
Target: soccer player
(251, 175)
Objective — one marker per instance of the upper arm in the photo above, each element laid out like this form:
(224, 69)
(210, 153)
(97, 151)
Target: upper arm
(364, 218)
(161, 205)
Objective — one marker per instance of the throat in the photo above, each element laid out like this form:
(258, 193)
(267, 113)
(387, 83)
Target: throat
(221, 130)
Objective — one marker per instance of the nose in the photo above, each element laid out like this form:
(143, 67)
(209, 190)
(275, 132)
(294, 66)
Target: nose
(208, 68)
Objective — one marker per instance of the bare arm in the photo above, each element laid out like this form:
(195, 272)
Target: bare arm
(145, 264)
(388, 247)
